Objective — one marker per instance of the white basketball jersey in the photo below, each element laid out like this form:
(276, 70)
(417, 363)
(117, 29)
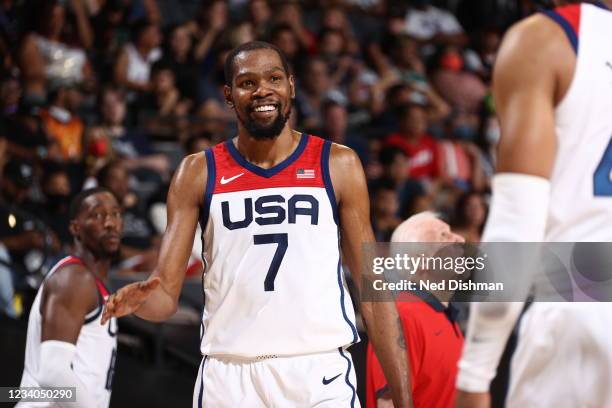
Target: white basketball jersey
(274, 283)
(581, 183)
(96, 347)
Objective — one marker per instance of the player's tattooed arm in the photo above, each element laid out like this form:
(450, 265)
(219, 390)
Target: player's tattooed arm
(380, 318)
(401, 339)
(157, 298)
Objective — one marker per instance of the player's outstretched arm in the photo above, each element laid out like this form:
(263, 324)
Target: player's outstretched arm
(533, 70)
(157, 298)
(63, 310)
(381, 318)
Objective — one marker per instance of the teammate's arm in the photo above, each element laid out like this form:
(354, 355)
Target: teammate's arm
(381, 318)
(156, 299)
(63, 310)
(533, 70)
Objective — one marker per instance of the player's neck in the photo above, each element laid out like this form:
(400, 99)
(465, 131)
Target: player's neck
(267, 153)
(97, 266)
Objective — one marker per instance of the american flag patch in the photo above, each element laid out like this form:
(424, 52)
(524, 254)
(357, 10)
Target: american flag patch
(305, 173)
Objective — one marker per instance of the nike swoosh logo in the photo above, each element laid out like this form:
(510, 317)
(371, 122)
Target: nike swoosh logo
(225, 181)
(326, 381)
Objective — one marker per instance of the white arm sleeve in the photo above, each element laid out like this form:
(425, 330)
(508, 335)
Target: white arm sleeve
(518, 213)
(55, 371)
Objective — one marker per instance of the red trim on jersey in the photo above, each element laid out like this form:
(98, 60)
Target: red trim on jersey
(69, 260)
(102, 289)
(305, 171)
(73, 260)
(571, 13)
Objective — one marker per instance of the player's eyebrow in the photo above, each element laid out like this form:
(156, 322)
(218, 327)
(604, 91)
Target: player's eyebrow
(266, 72)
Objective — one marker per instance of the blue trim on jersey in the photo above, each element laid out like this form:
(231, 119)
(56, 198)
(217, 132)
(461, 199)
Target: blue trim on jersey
(346, 318)
(329, 187)
(569, 30)
(210, 186)
(272, 171)
(201, 396)
(346, 377)
(204, 213)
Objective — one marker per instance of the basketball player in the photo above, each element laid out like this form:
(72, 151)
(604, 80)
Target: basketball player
(276, 208)
(553, 92)
(66, 344)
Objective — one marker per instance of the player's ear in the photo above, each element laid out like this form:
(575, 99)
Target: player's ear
(292, 86)
(74, 229)
(227, 92)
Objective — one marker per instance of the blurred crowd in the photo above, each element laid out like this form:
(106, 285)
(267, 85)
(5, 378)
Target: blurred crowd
(116, 92)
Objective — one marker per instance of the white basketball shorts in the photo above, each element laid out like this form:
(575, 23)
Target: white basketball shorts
(564, 357)
(312, 380)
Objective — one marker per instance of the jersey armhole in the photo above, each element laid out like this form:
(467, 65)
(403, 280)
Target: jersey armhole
(329, 188)
(209, 190)
(568, 17)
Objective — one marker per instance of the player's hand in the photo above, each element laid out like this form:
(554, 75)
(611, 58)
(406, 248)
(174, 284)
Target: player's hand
(466, 399)
(128, 299)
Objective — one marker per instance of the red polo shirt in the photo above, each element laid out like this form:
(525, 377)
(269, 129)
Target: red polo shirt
(434, 344)
(422, 155)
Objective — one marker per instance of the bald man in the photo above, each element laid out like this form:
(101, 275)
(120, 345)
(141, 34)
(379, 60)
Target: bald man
(431, 334)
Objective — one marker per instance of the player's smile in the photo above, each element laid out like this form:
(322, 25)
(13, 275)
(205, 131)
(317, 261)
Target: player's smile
(264, 110)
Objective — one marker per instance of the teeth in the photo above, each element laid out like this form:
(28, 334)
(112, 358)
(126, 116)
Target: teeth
(265, 108)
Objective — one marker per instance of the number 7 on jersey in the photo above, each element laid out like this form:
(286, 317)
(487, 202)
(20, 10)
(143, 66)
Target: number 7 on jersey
(282, 243)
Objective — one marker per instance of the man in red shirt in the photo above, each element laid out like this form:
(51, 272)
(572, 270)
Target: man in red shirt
(431, 334)
(413, 139)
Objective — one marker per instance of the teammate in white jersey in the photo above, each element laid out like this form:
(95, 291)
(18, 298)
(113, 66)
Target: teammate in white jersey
(276, 208)
(66, 344)
(553, 92)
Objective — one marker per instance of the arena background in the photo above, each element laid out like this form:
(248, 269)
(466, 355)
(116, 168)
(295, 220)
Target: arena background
(116, 92)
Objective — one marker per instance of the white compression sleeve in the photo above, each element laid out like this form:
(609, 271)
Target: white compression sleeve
(518, 214)
(55, 371)
(519, 208)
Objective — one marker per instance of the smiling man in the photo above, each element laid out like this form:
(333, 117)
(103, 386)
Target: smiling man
(66, 344)
(272, 203)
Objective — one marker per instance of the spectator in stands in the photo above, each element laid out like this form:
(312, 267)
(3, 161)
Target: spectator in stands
(411, 195)
(207, 28)
(462, 89)
(180, 58)
(314, 88)
(385, 207)
(260, 14)
(21, 231)
(469, 216)
(335, 128)
(332, 48)
(162, 110)
(431, 333)
(25, 137)
(61, 122)
(139, 242)
(10, 93)
(290, 13)
(480, 60)
(55, 185)
(119, 141)
(284, 38)
(432, 25)
(460, 160)
(49, 52)
(418, 145)
(133, 66)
